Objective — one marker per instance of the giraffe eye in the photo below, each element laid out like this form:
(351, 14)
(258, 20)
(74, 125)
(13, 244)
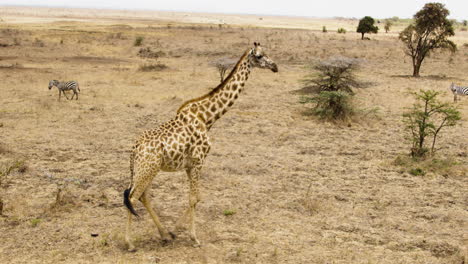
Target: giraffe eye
(259, 56)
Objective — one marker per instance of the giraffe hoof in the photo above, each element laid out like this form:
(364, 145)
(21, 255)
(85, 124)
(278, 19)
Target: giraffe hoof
(166, 242)
(132, 249)
(197, 245)
(173, 235)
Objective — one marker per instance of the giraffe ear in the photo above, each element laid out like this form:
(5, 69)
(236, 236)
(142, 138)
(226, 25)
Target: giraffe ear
(255, 44)
(258, 44)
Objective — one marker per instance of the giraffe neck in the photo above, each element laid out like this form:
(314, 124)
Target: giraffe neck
(215, 104)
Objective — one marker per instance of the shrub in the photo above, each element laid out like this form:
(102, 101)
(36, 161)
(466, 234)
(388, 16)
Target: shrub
(229, 212)
(388, 25)
(426, 119)
(148, 53)
(334, 74)
(152, 67)
(417, 172)
(341, 31)
(331, 105)
(138, 41)
(324, 29)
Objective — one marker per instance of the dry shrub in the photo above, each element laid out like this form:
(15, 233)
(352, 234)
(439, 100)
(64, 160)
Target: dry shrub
(148, 53)
(38, 43)
(334, 74)
(152, 67)
(223, 65)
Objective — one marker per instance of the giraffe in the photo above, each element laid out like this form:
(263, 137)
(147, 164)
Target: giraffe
(183, 144)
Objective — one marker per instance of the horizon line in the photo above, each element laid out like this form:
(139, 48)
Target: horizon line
(185, 11)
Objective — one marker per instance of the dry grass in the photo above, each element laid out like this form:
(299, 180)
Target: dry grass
(278, 187)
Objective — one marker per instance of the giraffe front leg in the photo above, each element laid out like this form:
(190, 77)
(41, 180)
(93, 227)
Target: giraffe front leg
(194, 198)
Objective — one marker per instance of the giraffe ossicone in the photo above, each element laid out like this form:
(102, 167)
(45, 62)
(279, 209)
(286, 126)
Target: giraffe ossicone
(183, 143)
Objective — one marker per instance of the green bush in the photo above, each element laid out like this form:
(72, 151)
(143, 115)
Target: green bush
(324, 29)
(138, 41)
(417, 172)
(331, 105)
(341, 31)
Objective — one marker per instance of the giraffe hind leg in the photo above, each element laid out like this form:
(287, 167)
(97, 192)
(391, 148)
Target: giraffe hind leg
(165, 235)
(131, 246)
(141, 181)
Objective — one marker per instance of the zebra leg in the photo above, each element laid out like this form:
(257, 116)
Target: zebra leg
(76, 93)
(65, 95)
(60, 94)
(73, 96)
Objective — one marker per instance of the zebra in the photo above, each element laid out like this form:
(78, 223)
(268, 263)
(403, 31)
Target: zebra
(65, 86)
(458, 90)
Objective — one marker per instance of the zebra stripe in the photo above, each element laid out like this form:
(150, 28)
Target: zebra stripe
(65, 86)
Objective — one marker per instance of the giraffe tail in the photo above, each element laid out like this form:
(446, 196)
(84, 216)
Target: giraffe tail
(127, 202)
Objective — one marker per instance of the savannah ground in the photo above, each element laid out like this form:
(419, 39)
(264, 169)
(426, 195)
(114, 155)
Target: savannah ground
(279, 186)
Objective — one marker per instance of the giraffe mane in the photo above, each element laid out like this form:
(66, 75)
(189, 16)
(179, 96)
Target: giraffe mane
(219, 87)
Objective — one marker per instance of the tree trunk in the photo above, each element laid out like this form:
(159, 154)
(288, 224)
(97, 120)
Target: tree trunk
(416, 68)
(362, 36)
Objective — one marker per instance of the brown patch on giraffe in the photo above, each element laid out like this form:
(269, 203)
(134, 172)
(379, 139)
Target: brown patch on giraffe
(202, 118)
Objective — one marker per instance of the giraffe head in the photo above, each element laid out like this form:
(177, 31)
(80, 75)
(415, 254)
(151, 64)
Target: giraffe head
(52, 83)
(258, 58)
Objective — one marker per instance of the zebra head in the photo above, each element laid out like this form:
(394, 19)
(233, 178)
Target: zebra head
(258, 58)
(453, 88)
(52, 84)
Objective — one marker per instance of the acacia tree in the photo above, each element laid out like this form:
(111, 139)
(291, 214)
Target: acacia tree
(430, 31)
(366, 25)
(426, 118)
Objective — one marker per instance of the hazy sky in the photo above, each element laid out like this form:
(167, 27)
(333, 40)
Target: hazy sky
(324, 8)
